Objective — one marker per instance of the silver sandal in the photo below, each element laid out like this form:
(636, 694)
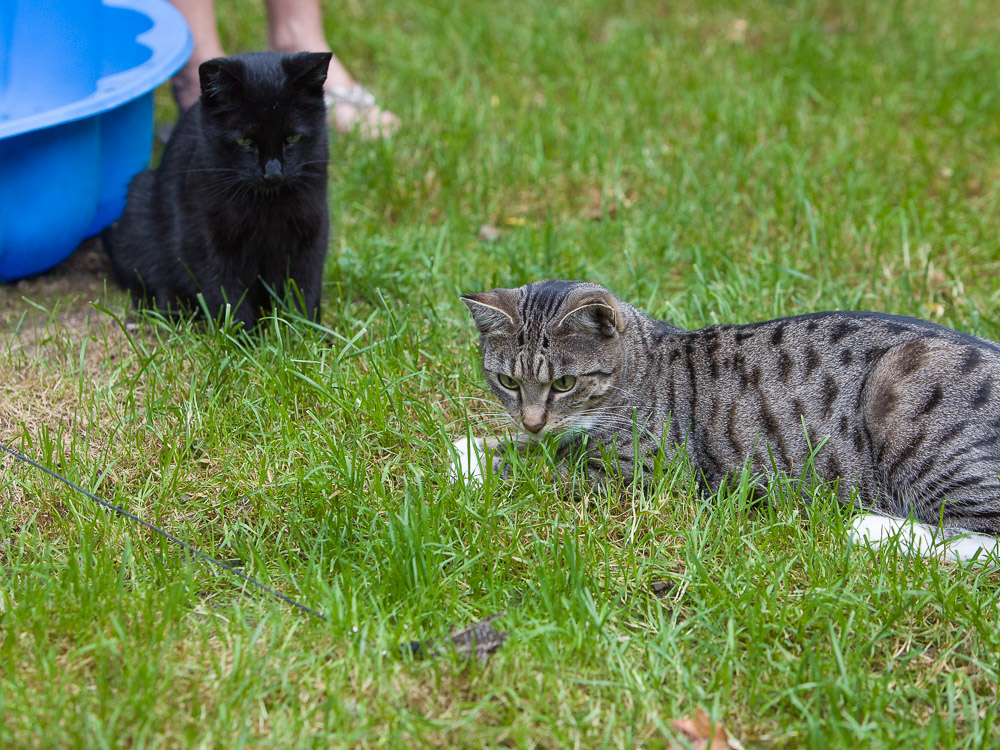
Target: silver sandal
(363, 102)
(357, 96)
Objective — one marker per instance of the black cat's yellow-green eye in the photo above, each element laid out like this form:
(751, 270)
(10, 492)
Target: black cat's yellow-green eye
(294, 138)
(563, 384)
(507, 381)
(245, 142)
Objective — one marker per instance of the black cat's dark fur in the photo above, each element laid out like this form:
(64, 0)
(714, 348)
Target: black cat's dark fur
(238, 204)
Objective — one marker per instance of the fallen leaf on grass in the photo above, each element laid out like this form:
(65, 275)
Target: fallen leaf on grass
(738, 31)
(661, 588)
(698, 731)
(7, 601)
(488, 233)
(598, 211)
(603, 206)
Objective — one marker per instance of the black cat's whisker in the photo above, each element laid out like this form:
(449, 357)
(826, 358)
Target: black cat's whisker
(203, 170)
(241, 193)
(229, 186)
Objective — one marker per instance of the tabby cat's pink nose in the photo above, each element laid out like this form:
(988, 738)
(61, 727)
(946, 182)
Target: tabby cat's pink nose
(532, 426)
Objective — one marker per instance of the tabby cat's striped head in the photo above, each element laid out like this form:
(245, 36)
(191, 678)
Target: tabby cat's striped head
(550, 352)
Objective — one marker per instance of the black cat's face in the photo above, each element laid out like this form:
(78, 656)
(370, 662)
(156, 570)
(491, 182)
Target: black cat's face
(264, 117)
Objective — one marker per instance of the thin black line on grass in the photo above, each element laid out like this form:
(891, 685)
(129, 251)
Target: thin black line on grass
(193, 550)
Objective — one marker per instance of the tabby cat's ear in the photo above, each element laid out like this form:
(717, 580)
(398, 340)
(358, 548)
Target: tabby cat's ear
(307, 70)
(221, 79)
(493, 310)
(592, 313)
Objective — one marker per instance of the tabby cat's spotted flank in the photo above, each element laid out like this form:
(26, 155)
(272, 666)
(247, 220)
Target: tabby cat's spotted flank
(909, 410)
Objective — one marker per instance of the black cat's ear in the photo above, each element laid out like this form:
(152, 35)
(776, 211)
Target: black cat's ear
(307, 70)
(592, 313)
(494, 310)
(221, 79)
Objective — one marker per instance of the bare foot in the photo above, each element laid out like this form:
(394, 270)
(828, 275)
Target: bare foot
(352, 107)
(186, 91)
(200, 15)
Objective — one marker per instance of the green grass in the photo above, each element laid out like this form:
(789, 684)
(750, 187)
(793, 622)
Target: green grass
(833, 154)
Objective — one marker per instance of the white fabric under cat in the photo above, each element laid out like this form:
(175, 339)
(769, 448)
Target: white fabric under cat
(468, 461)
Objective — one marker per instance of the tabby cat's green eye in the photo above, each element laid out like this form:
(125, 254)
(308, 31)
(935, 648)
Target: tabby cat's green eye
(507, 381)
(244, 142)
(563, 384)
(294, 138)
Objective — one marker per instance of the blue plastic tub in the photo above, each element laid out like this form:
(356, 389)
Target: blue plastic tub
(76, 117)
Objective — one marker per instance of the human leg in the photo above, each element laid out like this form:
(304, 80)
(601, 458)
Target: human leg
(297, 26)
(200, 16)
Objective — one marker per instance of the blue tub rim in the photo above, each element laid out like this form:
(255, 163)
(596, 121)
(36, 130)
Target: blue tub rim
(172, 45)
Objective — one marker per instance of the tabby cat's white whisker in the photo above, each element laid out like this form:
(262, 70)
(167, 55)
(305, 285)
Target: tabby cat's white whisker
(602, 409)
(494, 420)
(617, 424)
(479, 419)
(491, 402)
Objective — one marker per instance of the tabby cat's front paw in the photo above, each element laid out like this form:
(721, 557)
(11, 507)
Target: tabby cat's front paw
(919, 539)
(877, 531)
(467, 461)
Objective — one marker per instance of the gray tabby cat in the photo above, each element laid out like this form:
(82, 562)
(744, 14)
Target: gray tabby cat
(910, 410)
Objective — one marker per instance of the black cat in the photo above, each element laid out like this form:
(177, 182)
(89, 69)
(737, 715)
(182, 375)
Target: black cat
(238, 206)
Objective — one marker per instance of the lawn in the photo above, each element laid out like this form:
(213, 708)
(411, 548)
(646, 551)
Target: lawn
(707, 161)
